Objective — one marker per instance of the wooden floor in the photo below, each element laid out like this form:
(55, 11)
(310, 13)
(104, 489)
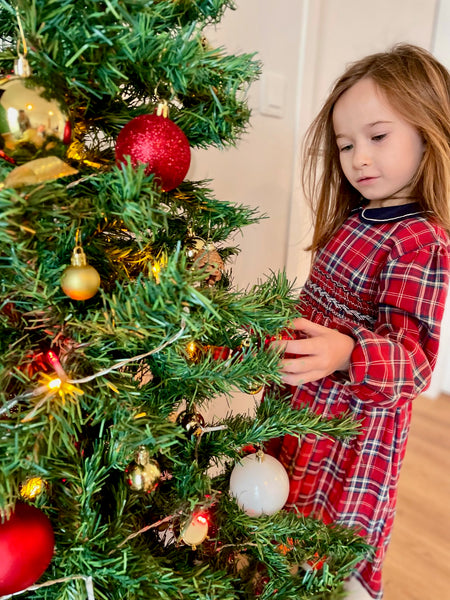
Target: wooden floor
(417, 565)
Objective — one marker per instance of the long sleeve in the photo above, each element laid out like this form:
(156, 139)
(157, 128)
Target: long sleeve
(393, 363)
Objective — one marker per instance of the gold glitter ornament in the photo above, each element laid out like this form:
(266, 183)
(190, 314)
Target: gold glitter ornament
(80, 281)
(144, 473)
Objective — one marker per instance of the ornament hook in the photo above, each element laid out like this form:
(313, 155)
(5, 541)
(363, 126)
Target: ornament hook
(162, 110)
(21, 65)
(22, 36)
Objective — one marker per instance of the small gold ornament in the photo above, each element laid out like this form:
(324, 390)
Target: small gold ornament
(144, 473)
(195, 351)
(32, 488)
(80, 281)
(204, 255)
(195, 530)
(192, 422)
(254, 388)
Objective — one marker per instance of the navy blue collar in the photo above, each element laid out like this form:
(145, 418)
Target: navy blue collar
(387, 214)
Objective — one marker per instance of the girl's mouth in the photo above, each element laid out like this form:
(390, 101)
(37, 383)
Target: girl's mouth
(366, 180)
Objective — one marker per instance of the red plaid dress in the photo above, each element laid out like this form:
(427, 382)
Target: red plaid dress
(383, 280)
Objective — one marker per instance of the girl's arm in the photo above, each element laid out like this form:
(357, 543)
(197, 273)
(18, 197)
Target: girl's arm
(393, 363)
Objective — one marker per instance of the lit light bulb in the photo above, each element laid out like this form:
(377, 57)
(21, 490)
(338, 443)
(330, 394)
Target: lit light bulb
(32, 488)
(54, 384)
(53, 360)
(192, 348)
(156, 270)
(158, 264)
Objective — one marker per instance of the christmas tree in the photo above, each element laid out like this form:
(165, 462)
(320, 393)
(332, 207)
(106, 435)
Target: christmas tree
(120, 323)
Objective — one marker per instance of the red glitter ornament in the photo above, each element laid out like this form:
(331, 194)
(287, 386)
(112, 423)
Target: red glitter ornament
(158, 142)
(26, 548)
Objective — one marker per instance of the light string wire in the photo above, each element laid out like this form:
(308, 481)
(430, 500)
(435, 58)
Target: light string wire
(143, 530)
(125, 361)
(44, 389)
(87, 579)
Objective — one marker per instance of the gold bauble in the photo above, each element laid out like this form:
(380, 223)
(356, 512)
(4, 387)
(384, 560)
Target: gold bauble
(254, 388)
(144, 473)
(80, 281)
(192, 422)
(195, 351)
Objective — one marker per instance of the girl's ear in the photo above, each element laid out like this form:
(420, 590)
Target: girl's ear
(424, 145)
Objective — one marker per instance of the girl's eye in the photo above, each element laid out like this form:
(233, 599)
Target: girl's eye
(345, 148)
(378, 138)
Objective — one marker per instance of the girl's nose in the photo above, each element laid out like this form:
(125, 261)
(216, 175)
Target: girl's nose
(361, 157)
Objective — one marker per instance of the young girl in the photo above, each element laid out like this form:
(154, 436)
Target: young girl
(377, 170)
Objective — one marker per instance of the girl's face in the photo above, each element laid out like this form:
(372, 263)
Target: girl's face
(379, 151)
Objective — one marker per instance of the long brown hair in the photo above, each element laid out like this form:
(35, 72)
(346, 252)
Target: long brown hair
(418, 87)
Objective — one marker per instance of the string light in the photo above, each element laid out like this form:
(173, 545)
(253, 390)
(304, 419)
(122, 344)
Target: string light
(125, 361)
(67, 385)
(54, 384)
(156, 270)
(195, 530)
(157, 265)
(87, 580)
(201, 519)
(32, 488)
(53, 361)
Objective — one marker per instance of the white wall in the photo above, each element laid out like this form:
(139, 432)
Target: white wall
(259, 171)
(441, 41)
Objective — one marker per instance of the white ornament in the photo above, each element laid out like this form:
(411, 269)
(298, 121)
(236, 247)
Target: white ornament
(260, 484)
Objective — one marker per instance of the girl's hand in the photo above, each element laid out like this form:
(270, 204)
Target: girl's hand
(322, 352)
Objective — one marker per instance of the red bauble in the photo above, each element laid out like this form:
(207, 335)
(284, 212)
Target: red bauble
(67, 135)
(26, 548)
(156, 141)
